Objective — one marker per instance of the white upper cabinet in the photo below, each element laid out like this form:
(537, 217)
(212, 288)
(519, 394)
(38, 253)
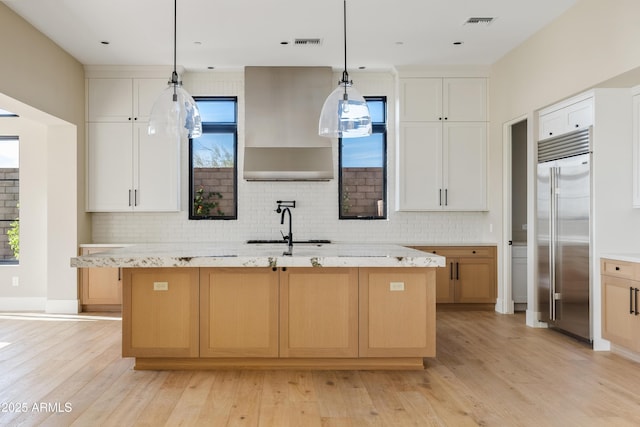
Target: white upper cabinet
(564, 118)
(122, 99)
(442, 152)
(443, 99)
(128, 170)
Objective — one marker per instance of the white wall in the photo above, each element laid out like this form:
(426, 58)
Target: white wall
(316, 214)
(44, 85)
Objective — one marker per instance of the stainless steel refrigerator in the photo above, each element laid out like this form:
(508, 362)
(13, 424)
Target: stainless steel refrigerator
(563, 232)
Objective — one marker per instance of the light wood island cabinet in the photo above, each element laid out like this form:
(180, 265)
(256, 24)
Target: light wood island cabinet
(100, 288)
(470, 275)
(160, 312)
(319, 312)
(296, 317)
(239, 312)
(620, 311)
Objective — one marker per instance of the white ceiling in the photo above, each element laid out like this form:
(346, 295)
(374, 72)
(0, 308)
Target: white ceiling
(233, 33)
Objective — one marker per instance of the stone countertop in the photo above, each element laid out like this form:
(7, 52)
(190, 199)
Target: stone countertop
(623, 257)
(226, 254)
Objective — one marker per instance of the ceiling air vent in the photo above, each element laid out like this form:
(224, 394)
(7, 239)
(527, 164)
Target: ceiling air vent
(479, 20)
(307, 42)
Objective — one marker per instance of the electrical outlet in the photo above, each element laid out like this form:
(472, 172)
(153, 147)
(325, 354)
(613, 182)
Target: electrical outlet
(15, 281)
(396, 286)
(160, 286)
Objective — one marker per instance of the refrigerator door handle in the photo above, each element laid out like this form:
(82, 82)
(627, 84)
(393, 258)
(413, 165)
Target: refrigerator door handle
(553, 200)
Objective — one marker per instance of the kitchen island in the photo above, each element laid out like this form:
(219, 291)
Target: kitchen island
(237, 305)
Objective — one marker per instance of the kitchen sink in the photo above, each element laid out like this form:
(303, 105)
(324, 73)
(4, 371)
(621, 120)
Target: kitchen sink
(295, 242)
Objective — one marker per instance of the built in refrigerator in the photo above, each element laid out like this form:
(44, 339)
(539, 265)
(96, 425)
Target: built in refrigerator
(563, 232)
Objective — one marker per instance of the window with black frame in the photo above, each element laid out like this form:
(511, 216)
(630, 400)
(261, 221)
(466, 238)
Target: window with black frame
(213, 177)
(363, 168)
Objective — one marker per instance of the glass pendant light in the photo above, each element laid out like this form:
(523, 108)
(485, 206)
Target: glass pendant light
(175, 112)
(345, 113)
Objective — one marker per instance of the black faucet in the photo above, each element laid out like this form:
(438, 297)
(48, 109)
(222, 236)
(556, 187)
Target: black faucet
(283, 207)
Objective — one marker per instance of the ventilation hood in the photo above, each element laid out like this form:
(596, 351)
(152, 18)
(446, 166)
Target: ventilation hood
(282, 108)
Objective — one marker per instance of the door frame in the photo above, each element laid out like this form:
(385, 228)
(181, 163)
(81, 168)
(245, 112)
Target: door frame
(505, 304)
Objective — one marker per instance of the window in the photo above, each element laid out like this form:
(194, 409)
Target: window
(9, 197)
(213, 177)
(363, 168)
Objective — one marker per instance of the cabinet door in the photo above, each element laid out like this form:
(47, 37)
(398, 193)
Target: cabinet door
(421, 99)
(552, 124)
(145, 93)
(465, 164)
(397, 312)
(475, 280)
(110, 167)
(465, 99)
(110, 100)
(156, 172)
(420, 166)
(620, 325)
(160, 312)
(319, 312)
(579, 115)
(100, 286)
(238, 312)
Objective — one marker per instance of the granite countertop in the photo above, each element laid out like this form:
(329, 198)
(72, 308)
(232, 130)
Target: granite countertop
(225, 254)
(623, 257)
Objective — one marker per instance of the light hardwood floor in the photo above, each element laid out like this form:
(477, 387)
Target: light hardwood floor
(490, 370)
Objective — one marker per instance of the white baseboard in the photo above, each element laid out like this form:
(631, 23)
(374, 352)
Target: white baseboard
(532, 319)
(10, 304)
(63, 306)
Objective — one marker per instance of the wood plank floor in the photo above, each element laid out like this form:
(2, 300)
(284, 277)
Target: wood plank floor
(490, 370)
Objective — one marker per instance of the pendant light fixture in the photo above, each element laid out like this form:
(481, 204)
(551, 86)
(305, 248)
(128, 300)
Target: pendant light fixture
(175, 113)
(345, 113)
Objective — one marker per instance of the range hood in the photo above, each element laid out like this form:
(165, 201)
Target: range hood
(282, 108)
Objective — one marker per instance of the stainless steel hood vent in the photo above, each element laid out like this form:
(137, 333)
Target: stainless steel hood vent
(282, 107)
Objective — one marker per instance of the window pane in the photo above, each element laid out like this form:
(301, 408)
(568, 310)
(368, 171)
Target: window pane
(377, 111)
(217, 111)
(363, 169)
(213, 165)
(10, 193)
(363, 177)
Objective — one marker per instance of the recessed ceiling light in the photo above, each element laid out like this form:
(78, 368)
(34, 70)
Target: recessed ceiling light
(457, 43)
(284, 42)
(362, 67)
(399, 43)
(104, 42)
(210, 68)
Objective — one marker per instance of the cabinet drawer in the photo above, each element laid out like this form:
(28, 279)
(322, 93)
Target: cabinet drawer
(616, 268)
(459, 251)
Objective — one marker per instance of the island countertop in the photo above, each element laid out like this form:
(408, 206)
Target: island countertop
(230, 254)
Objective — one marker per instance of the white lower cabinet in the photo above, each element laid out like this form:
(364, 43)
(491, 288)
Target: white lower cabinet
(129, 170)
(442, 166)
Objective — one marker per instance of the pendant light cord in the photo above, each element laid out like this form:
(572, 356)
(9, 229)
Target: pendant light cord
(345, 74)
(174, 74)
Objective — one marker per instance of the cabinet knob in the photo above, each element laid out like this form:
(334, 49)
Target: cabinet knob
(473, 252)
(577, 125)
(550, 133)
(129, 118)
(135, 118)
(439, 118)
(617, 268)
(446, 118)
(274, 268)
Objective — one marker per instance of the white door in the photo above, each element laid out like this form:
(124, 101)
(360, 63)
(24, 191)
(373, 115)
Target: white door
(465, 159)
(420, 166)
(110, 167)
